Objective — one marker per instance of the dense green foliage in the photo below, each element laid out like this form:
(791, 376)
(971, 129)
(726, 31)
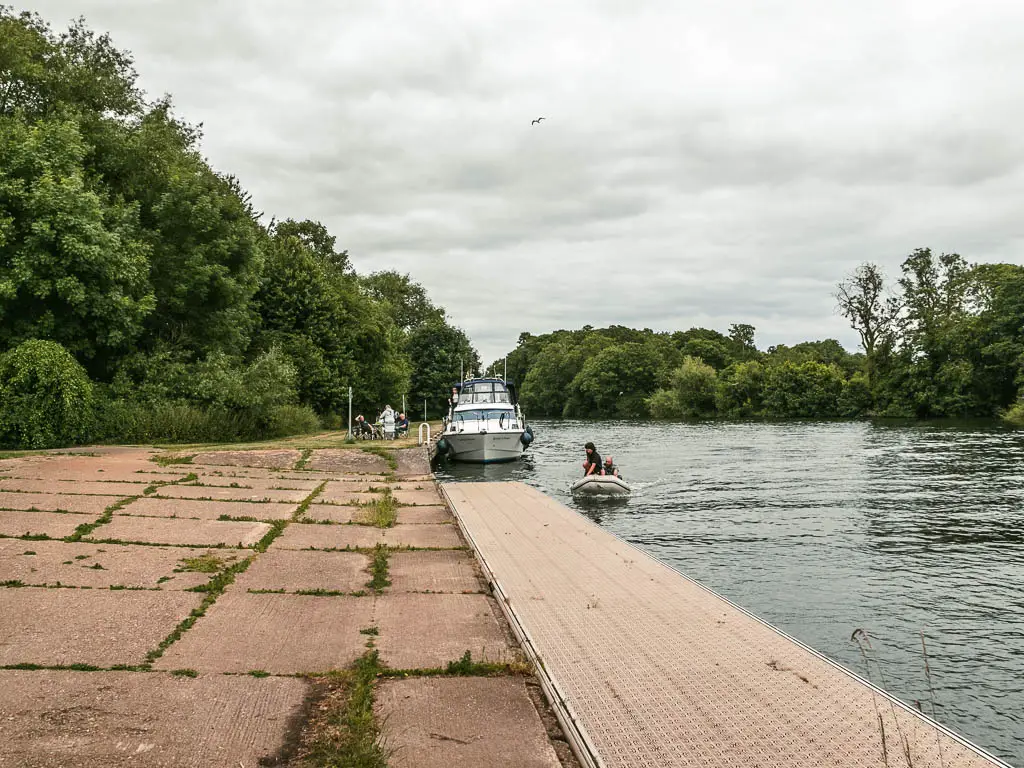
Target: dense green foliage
(947, 339)
(47, 396)
(170, 311)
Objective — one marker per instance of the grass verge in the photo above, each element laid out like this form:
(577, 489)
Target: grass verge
(166, 460)
(385, 453)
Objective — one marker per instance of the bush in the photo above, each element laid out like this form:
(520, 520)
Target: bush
(46, 397)
(663, 404)
(803, 390)
(740, 389)
(856, 399)
(1015, 415)
(285, 420)
(694, 383)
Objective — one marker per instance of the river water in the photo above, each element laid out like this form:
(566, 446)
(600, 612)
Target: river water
(822, 528)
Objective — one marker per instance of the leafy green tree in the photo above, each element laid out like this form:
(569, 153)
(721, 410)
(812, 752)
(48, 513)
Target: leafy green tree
(316, 238)
(73, 265)
(47, 397)
(553, 370)
(713, 353)
(740, 389)
(615, 382)
(803, 389)
(405, 300)
(695, 383)
(863, 299)
(438, 351)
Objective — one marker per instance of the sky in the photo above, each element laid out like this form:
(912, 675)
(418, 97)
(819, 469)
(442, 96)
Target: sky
(700, 164)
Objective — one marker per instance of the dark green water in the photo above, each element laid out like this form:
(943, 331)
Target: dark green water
(824, 528)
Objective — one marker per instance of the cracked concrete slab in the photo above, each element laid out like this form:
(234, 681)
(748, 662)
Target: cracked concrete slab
(421, 498)
(295, 570)
(200, 533)
(313, 536)
(57, 719)
(150, 506)
(75, 564)
(352, 461)
(433, 571)
(335, 513)
(88, 487)
(428, 631)
(462, 722)
(230, 494)
(56, 525)
(50, 502)
(424, 515)
(87, 626)
(270, 459)
(282, 634)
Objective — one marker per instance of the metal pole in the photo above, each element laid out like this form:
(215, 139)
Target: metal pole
(504, 376)
(424, 409)
(349, 413)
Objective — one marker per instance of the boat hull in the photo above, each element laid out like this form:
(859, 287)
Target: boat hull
(600, 485)
(485, 448)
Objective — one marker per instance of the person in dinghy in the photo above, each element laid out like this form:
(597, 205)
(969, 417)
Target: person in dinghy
(592, 466)
(609, 469)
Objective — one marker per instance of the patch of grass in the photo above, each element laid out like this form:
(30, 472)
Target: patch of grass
(231, 519)
(163, 579)
(308, 500)
(214, 589)
(28, 552)
(276, 529)
(265, 591)
(166, 460)
(369, 631)
(108, 514)
(13, 583)
(258, 673)
(382, 511)
(203, 564)
(379, 569)
(347, 735)
(96, 567)
(465, 667)
(184, 673)
(81, 557)
(301, 463)
(321, 592)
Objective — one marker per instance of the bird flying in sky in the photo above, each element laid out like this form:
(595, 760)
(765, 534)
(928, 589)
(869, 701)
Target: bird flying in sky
(534, 122)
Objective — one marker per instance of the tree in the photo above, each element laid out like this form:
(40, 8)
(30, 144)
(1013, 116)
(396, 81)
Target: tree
(694, 384)
(803, 390)
(73, 265)
(615, 382)
(406, 301)
(437, 352)
(315, 237)
(740, 389)
(863, 300)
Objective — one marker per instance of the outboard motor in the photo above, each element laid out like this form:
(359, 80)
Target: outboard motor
(527, 437)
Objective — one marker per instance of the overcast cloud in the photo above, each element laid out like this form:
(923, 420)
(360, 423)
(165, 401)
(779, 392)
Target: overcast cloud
(700, 164)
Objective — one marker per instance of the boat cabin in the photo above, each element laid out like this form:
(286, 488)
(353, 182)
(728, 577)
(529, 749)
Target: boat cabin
(486, 391)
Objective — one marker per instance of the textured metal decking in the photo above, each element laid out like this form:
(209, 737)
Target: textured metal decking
(649, 668)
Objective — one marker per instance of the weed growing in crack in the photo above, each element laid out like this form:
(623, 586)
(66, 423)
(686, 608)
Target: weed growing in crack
(379, 569)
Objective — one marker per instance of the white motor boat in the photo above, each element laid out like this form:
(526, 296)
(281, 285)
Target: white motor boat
(601, 485)
(486, 425)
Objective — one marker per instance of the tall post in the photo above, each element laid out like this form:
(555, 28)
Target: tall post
(403, 403)
(424, 409)
(504, 376)
(349, 413)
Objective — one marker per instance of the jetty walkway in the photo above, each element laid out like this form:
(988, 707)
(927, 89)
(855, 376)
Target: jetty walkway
(649, 668)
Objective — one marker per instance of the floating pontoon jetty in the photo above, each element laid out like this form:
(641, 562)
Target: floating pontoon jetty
(646, 667)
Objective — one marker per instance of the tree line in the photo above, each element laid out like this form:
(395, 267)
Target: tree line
(141, 295)
(945, 339)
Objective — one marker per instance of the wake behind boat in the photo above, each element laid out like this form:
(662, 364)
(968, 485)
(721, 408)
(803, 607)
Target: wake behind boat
(485, 425)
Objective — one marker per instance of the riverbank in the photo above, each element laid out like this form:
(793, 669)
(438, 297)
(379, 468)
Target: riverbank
(272, 605)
